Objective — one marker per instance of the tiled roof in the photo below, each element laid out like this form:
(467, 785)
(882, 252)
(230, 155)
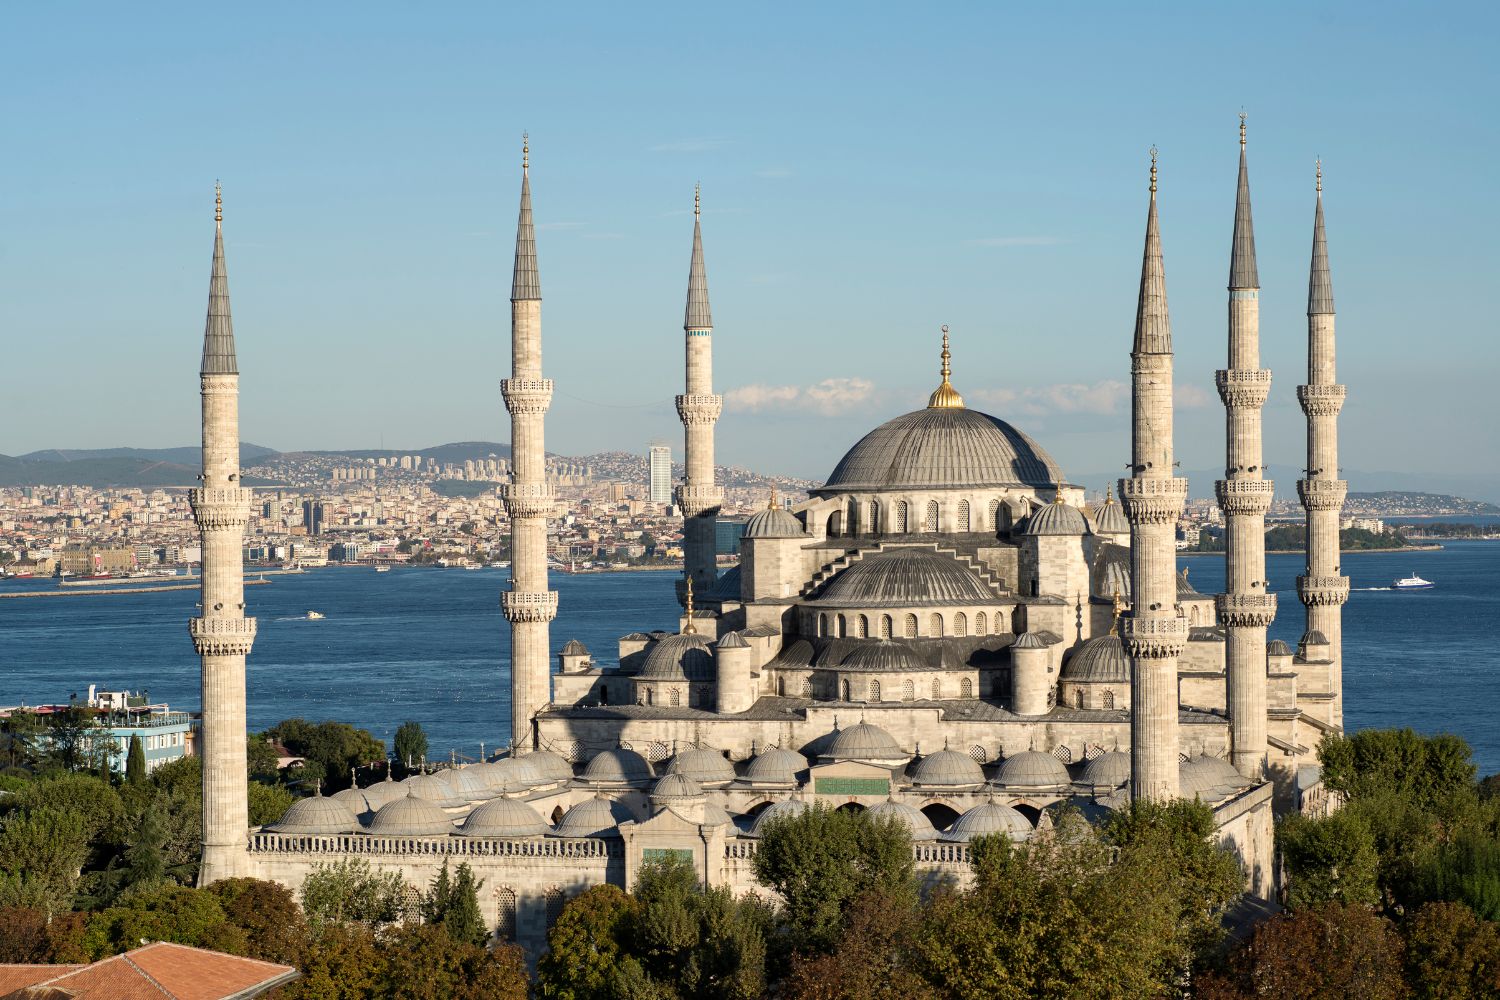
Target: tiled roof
(156, 971)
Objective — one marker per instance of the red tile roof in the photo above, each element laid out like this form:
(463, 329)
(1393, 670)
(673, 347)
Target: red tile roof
(160, 971)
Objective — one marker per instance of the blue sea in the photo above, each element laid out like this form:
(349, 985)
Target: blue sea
(430, 644)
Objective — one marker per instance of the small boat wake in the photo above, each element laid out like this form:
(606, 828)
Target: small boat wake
(311, 616)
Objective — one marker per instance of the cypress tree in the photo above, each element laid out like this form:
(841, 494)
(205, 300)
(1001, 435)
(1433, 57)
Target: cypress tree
(135, 761)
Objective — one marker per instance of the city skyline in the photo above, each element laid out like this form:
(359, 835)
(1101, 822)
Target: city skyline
(979, 199)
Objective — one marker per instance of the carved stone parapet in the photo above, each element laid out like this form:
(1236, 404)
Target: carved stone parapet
(1153, 501)
(528, 499)
(1246, 610)
(1244, 388)
(222, 636)
(1153, 638)
(521, 606)
(1321, 400)
(221, 508)
(695, 500)
(1323, 591)
(1322, 494)
(1244, 496)
(526, 395)
(700, 408)
(218, 383)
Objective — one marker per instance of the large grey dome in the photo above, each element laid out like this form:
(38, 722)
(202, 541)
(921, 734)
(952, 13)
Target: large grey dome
(947, 769)
(1100, 660)
(1032, 769)
(905, 576)
(707, 767)
(683, 657)
(594, 817)
(775, 766)
(988, 818)
(777, 522)
(883, 655)
(943, 448)
(315, 815)
(1055, 519)
(617, 767)
(410, 817)
(503, 818)
(865, 742)
(916, 822)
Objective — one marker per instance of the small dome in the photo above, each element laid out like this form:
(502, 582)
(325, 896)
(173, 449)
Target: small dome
(316, 815)
(434, 789)
(683, 657)
(1108, 770)
(1101, 660)
(775, 766)
(503, 818)
(550, 766)
(732, 640)
(946, 768)
(676, 787)
(786, 807)
(1032, 769)
(574, 648)
(865, 742)
(469, 784)
(906, 577)
(1029, 640)
(985, 819)
(410, 817)
(916, 823)
(1207, 778)
(353, 799)
(596, 817)
(1055, 519)
(1278, 648)
(715, 816)
(1109, 518)
(884, 655)
(617, 767)
(383, 793)
(707, 767)
(1312, 637)
(513, 774)
(776, 522)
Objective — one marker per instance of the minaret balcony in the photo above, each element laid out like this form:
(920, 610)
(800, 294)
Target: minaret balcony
(1153, 501)
(1250, 497)
(696, 500)
(522, 606)
(1322, 494)
(1323, 591)
(219, 508)
(1246, 610)
(526, 395)
(701, 408)
(528, 499)
(1243, 389)
(222, 636)
(1321, 400)
(1154, 638)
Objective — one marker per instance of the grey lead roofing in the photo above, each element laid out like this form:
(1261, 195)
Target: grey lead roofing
(697, 315)
(218, 332)
(525, 283)
(1153, 325)
(1242, 271)
(1319, 281)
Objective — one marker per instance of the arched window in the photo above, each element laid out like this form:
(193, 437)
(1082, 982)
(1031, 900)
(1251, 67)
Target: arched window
(862, 627)
(908, 691)
(960, 624)
(807, 687)
(842, 627)
(1078, 698)
(935, 625)
(676, 697)
(505, 902)
(823, 624)
(901, 516)
(556, 900)
(781, 686)
(994, 516)
(846, 691)
(885, 626)
(650, 697)
(1193, 614)
(966, 688)
(911, 626)
(836, 523)
(930, 522)
(979, 623)
(874, 526)
(937, 689)
(963, 515)
(874, 690)
(1109, 700)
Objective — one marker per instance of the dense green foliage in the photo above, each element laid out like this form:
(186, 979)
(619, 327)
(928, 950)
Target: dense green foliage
(332, 750)
(349, 891)
(453, 904)
(411, 746)
(1293, 538)
(135, 761)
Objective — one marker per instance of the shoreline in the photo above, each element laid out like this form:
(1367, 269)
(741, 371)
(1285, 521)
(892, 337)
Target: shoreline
(1293, 552)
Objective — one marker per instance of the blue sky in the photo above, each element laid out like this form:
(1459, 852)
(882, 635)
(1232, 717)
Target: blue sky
(869, 173)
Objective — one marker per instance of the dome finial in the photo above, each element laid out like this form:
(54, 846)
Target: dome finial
(1243, 116)
(945, 397)
(219, 201)
(1119, 609)
(1109, 493)
(1154, 151)
(525, 152)
(697, 199)
(1319, 165)
(1057, 495)
(772, 503)
(689, 628)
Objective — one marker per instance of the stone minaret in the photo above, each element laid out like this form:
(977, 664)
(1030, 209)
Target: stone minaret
(699, 409)
(222, 634)
(1323, 590)
(1154, 634)
(1246, 607)
(528, 605)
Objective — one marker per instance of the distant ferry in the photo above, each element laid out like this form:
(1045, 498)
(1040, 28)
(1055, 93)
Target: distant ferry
(382, 569)
(1412, 582)
(313, 616)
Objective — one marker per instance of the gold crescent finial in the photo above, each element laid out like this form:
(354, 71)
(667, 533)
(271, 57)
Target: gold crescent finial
(1154, 151)
(1243, 116)
(218, 202)
(771, 503)
(525, 152)
(1109, 493)
(945, 396)
(1057, 486)
(1119, 608)
(689, 628)
(1319, 163)
(697, 199)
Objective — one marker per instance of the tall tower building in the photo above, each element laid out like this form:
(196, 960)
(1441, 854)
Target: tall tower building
(699, 497)
(1323, 590)
(528, 605)
(1153, 632)
(659, 469)
(222, 634)
(1247, 606)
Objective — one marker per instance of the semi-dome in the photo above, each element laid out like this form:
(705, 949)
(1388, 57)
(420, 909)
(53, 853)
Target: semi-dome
(915, 821)
(1100, 660)
(503, 818)
(1032, 769)
(986, 819)
(707, 767)
(1277, 647)
(1030, 640)
(943, 448)
(676, 787)
(775, 522)
(947, 769)
(775, 766)
(906, 577)
(617, 767)
(883, 655)
(596, 817)
(786, 807)
(1110, 574)
(410, 817)
(865, 742)
(316, 815)
(437, 790)
(1055, 519)
(1108, 770)
(684, 657)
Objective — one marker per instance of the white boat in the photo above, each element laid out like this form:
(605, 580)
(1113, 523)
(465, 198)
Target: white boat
(1412, 582)
(382, 569)
(314, 616)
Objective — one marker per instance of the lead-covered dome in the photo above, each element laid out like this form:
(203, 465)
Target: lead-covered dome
(776, 810)
(865, 742)
(775, 766)
(617, 767)
(775, 522)
(410, 817)
(503, 818)
(684, 657)
(986, 819)
(707, 767)
(905, 577)
(943, 448)
(1108, 770)
(315, 815)
(596, 817)
(1032, 769)
(916, 822)
(1100, 660)
(946, 769)
(1055, 519)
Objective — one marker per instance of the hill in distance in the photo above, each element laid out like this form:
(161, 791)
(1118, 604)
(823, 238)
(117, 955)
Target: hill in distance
(125, 467)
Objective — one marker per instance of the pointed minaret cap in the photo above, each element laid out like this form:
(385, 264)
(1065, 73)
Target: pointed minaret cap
(525, 284)
(945, 397)
(697, 315)
(1153, 323)
(1242, 271)
(1320, 281)
(218, 332)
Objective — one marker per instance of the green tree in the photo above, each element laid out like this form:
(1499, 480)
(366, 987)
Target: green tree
(268, 802)
(135, 761)
(96, 804)
(1451, 954)
(1329, 860)
(171, 913)
(261, 758)
(350, 891)
(342, 963)
(335, 747)
(1465, 870)
(268, 916)
(425, 963)
(23, 935)
(585, 946)
(410, 743)
(1431, 772)
(22, 740)
(702, 942)
(453, 904)
(145, 858)
(872, 960)
(42, 852)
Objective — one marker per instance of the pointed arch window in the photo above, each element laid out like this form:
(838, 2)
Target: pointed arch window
(960, 624)
(1109, 700)
(862, 627)
(555, 900)
(980, 625)
(935, 625)
(937, 689)
(966, 688)
(846, 691)
(994, 515)
(885, 626)
(908, 691)
(874, 690)
(1078, 698)
(505, 903)
(675, 697)
(911, 626)
(963, 515)
(901, 516)
(807, 690)
(930, 522)
(874, 526)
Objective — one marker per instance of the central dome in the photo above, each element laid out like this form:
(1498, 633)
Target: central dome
(943, 448)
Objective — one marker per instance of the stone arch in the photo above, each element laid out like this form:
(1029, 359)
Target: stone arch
(885, 626)
(851, 807)
(862, 627)
(841, 627)
(844, 688)
(759, 808)
(824, 623)
(940, 814)
(781, 686)
(836, 523)
(903, 516)
(981, 625)
(993, 519)
(960, 624)
(1193, 614)
(1109, 699)
(874, 526)
(650, 697)
(963, 515)
(555, 899)
(557, 815)
(505, 903)
(908, 690)
(966, 688)
(930, 520)
(935, 625)
(911, 626)
(874, 690)
(937, 689)
(1031, 812)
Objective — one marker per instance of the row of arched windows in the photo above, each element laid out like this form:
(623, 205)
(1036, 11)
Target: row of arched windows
(862, 626)
(1080, 699)
(864, 518)
(908, 690)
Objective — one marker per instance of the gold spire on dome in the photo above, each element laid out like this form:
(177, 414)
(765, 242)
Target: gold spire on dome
(945, 397)
(689, 628)
(1119, 609)
(1109, 494)
(771, 502)
(1154, 151)
(1057, 496)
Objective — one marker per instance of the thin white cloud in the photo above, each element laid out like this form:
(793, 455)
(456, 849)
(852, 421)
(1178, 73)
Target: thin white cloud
(1106, 397)
(697, 145)
(1191, 397)
(830, 397)
(1016, 241)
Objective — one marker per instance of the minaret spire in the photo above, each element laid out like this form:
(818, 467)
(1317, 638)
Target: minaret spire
(221, 634)
(1153, 632)
(525, 283)
(698, 408)
(1242, 270)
